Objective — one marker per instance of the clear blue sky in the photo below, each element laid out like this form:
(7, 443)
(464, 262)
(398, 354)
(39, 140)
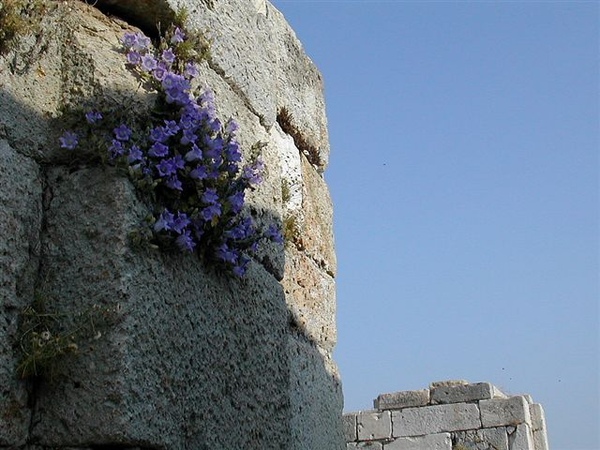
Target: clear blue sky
(464, 174)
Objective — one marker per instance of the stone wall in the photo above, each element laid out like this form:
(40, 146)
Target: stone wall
(191, 359)
(451, 415)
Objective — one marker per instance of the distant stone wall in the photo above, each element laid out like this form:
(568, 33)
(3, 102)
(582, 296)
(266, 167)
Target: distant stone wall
(193, 360)
(451, 415)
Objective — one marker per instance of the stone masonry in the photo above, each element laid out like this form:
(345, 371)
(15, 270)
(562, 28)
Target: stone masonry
(192, 359)
(450, 415)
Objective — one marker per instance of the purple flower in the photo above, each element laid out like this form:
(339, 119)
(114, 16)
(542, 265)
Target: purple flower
(168, 56)
(232, 127)
(226, 254)
(178, 36)
(210, 196)
(164, 222)
(199, 173)
(171, 127)
(141, 42)
(253, 173)
(69, 140)
(242, 230)
(93, 116)
(159, 72)
(274, 234)
(174, 183)
(181, 222)
(165, 168)
(134, 58)
(122, 133)
(129, 40)
(158, 150)
(149, 62)
(233, 152)
(158, 134)
(185, 241)
(237, 201)
(116, 149)
(194, 154)
(188, 137)
(241, 268)
(191, 70)
(210, 212)
(135, 154)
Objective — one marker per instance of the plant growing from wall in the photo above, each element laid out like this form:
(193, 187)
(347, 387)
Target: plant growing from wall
(45, 340)
(185, 161)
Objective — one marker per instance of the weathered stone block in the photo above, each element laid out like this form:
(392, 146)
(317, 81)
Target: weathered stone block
(435, 419)
(191, 351)
(504, 412)
(316, 399)
(367, 445)
(464, 393)
(20, 224)
(403, 399)
(521, 438)
(441, 441)
(538, 426)
(482, 439)
(310, 293)
(259, 55)
(374, 425)
(350, 427)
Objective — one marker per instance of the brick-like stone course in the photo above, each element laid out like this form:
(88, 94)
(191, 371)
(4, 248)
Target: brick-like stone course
(449, 415)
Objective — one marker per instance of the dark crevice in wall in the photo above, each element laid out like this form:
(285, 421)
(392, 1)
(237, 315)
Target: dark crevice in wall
(286, 122)
(151, 17)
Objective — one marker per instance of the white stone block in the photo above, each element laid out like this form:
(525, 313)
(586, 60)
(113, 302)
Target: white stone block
(370, 445)
(440, 441)
(504, 412)
(464, 393)
(404, 399)
(435, 419)
(521, 439)
(349, 427)
(538, 427)
(374, 425)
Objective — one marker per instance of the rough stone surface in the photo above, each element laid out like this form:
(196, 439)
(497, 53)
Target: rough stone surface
(371, 445)
(190, 359)
(435, 419)
(20, 223)
(455, 423)
(441, 441)
(374, 425)
(315, 397)
(404, 399)
(146, 379)
(483, 439)
(350, 427)
(464, 393)
(521, 438)
(503, 412)
(255, 49)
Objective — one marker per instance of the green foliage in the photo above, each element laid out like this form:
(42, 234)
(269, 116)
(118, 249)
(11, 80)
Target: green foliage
(17, 18)
(46, 341)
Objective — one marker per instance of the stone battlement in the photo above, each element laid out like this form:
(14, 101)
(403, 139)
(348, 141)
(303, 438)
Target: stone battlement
(450, 415)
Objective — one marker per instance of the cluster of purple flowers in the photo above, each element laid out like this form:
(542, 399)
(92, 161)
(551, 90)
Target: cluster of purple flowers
(191, 159)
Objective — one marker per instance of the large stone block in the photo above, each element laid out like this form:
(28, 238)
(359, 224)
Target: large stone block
(441, 441)
(310, 294)
(521, 438)
(465, 393)
(316, 399)
(538, 426)
(350, 424)
(374, 425)
(194, 359)
(20, 224)
(256, 51)
(367, 445)
(505, 412)
(403, 399)
(483, 439)
(435, 419)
